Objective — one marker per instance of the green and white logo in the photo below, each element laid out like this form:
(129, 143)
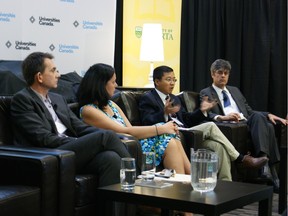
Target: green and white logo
(138, 31)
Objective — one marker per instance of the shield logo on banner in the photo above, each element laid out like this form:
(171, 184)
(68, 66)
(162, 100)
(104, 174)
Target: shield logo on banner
(138, 31)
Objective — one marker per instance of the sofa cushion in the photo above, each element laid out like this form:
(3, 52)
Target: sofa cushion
(15, 199)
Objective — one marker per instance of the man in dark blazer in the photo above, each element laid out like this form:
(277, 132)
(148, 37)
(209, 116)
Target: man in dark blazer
(43, 119)
(232, 106)
(160, 105)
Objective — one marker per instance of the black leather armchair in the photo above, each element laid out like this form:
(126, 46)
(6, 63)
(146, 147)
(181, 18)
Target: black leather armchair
(28, 184)
(73, 194)
(236, 133)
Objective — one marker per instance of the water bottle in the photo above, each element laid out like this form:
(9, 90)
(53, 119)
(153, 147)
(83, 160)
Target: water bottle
(204, 168)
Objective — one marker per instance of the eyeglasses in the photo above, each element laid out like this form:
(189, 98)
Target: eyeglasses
(221, 72)
(170, 80)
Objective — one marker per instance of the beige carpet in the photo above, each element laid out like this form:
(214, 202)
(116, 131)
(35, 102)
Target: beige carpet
(249, 210)
(252, 209)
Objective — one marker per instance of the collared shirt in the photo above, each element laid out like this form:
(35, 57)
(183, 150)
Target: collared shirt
(163, 97)
(232, 108)
(61, 128)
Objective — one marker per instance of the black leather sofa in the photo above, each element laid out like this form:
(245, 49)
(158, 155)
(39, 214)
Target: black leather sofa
(28, 183)
(128, 102)
(67, 193)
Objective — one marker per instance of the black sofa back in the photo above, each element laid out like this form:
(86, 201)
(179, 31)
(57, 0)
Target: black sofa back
(128, 102)
(6, 132)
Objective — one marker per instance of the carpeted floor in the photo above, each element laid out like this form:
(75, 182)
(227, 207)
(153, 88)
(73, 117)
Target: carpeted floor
(252, 210)
(249, 210)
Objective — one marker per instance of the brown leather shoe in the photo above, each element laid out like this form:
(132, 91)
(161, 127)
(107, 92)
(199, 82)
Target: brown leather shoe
(254, 163)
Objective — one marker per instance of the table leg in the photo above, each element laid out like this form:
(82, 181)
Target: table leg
(265, 207)
(105, 207)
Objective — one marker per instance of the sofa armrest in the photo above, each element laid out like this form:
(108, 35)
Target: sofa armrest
(135, 150)
(191, 139)
(66, 174)
(30, 169)
(133, 147)
(281, 134)
(237, 134)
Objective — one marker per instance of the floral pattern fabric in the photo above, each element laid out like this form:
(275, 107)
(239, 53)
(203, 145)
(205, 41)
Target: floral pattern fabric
(156, 144)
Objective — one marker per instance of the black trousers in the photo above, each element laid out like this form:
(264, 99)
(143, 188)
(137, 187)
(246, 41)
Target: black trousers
(99, 153)
(263, 137)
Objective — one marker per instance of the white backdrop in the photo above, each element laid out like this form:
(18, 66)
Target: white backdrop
(78, 33)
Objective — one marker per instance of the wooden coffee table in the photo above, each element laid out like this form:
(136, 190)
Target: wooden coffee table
(226, 197)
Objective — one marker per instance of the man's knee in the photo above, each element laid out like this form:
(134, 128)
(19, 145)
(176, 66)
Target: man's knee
(210, 124)
(109, 161)
(108, 165)
(110, 158)
(257, 116)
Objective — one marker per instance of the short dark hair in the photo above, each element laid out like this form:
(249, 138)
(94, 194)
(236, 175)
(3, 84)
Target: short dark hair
(220, 64)
(159, 71)
(93, 85)
(33, 64)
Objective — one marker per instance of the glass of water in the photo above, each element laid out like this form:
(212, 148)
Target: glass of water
(128, 174)
(148, 166)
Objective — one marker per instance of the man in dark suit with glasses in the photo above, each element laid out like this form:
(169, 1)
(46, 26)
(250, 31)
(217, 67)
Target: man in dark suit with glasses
(233, 107)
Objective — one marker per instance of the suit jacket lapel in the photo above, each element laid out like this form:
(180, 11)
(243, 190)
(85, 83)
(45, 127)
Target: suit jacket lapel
(157, 99)
(214, 96)
(234, 96)
(43, 108)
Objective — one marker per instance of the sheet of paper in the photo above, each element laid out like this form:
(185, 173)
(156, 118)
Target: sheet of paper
(175, 178)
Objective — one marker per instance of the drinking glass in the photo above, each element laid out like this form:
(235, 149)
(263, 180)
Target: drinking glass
(148, 166)
(127, 174)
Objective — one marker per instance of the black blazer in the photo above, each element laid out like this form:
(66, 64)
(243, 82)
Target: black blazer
(151, 110)
(238, 97)
(33, 123)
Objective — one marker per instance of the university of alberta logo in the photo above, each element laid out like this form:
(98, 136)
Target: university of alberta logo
(138, 31)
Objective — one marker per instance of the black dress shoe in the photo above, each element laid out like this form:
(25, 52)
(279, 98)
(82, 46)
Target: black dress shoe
(254, 163)
(265, 176)
(265, 172)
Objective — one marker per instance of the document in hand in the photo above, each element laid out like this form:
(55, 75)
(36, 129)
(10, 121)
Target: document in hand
(185, 129)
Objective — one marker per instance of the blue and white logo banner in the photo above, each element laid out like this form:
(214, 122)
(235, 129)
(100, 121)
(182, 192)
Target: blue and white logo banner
(78, 33)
